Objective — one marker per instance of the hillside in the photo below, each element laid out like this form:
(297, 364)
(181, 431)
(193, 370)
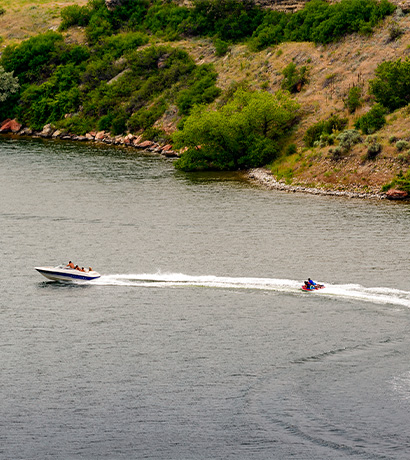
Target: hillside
(332, 70)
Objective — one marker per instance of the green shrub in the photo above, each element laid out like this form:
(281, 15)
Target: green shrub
(354, 98)
(348, 138)
(294, 78)
(221, 47)
(75, 15)
(372, 121)
(391, 87)
(291, 149)
(324, 127)
(402, 145)
(34, 59)
(373, 148)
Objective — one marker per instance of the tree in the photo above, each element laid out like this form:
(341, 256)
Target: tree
(391, 87)
(8, 84)
(244, 133)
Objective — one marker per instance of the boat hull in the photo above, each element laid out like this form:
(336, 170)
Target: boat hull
(66, 274)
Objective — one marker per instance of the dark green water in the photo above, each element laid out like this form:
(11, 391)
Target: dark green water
(197, 342)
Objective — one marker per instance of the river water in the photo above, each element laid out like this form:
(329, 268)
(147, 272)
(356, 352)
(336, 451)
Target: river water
(196, 342)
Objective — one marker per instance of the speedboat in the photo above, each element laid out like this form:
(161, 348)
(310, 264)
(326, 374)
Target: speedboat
(64, 273)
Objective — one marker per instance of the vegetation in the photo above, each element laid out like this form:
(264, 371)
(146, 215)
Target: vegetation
(391, 87)
(244, 133)
(8, 84)
(372, 121)
(320, 22)
(294, 78)
(324, 127)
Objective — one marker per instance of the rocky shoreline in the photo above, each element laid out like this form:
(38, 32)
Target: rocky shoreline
(129, 140)
(260, 176)
(265, 178)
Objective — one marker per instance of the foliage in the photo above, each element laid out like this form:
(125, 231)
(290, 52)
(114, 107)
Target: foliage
(401, 182)
(324, 127)
(373, 148)
(34, 59)
(321, 22)
(348, 138)
(8, 84)
(354, 98)
(372, 121)
(221, 47)
(294, 78)
(167, 20)
(202, 89)
(229, 20)
(244, 133)
(75, 15)
(391, 87)
(401, 145)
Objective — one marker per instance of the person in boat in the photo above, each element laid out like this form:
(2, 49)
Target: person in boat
(82, 269)
(70, 265)
(312, 283)
(308, 285)
(77, 268)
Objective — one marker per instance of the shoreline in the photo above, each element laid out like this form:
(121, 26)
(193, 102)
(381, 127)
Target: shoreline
(259, 176)
(263, 177)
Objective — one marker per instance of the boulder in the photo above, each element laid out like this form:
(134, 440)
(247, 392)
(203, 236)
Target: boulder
(100, 135)
(144, 145)
(12, 126)
(167, 148)
(47, 131)
(394, 194)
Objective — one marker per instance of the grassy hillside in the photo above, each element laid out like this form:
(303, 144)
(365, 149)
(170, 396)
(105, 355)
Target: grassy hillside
(332, 70)
(24, 18)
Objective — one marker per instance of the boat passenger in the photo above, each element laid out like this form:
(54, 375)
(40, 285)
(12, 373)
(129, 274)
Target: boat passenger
(308, 285)
(312, 283)
(82, 269)
(70, 265)
(77, 267)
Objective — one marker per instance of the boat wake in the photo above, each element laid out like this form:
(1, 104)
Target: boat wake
(347, 291)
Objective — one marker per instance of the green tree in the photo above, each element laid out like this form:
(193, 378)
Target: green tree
(391, 87)
(8, 84)
(244, 133)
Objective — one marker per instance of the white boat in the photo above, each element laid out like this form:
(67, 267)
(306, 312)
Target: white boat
(64, 273)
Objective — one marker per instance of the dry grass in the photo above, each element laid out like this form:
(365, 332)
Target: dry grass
(24, 18)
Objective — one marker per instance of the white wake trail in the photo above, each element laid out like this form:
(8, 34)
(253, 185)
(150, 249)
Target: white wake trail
(379, 295)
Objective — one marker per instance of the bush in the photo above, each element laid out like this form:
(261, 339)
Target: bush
(347, 139)
(402, 145)
(373, 148)
(221, 47)
(354, 98)
(294, 78)
(372, 121)
(75, 15)
(326, 127)
(34, 59)
(391, 87)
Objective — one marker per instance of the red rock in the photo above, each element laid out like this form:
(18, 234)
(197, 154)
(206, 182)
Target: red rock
(100, 135)
(10, 126)
(145, 144)
(394, 194)
(167, 147)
